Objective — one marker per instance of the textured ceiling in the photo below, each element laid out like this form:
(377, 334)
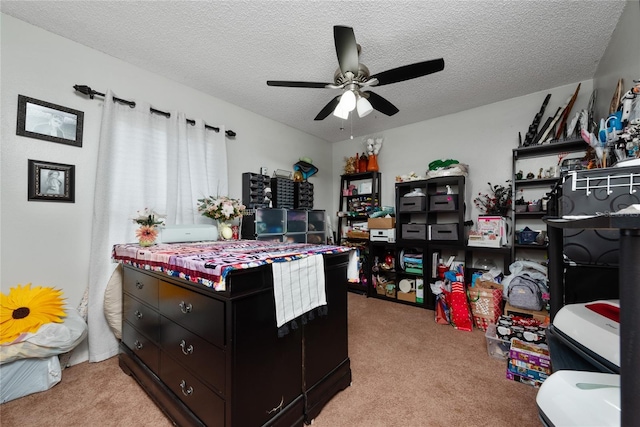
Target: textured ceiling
(493, 50)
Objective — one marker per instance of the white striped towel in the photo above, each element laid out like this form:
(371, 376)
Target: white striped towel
(298, 287)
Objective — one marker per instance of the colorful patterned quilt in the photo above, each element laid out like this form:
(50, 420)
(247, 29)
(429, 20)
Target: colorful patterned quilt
(209, 263)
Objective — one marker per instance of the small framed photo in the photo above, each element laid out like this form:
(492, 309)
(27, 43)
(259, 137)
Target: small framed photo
(51, 182)
(365, 188)
(50, 122)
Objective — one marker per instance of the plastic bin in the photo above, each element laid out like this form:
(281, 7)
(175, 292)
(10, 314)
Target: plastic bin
(496, 347)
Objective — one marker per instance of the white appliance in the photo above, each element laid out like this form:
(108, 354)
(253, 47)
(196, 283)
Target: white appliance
(187, 233)
(382, 235)
(593, 330)
(580, 399)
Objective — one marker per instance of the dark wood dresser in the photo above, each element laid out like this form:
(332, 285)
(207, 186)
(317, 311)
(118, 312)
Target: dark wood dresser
(215, 358)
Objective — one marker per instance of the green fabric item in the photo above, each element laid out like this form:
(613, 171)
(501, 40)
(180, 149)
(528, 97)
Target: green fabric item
(440, 164)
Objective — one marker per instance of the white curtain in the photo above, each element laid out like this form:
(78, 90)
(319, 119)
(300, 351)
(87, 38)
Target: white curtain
(145, 160)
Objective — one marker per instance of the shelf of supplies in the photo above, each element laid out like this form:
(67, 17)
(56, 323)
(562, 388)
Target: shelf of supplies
(541, 182)
(500, 250)
(558, 146)
(534, 246)
(538, 214)
(353, 196)
(356, 217)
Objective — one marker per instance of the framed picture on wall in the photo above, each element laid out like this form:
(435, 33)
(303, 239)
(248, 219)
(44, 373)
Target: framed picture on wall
(44, 120)
(51, 182)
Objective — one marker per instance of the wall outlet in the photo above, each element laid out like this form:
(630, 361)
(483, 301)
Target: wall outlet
(263, 170)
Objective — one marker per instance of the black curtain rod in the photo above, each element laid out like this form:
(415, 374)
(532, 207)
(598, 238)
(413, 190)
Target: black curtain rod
(91, 93)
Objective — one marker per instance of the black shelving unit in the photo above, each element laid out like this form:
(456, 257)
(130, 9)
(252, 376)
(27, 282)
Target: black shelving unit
(355, 206)
(628, 227)
(433, 223)
(570, 145)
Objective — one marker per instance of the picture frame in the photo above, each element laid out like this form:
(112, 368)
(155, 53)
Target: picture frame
(50, 122)
(51, 182)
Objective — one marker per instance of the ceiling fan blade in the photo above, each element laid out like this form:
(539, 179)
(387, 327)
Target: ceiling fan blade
(408, 72)
(381, 104)
(328, 109)
(346, 49)
(285, 83)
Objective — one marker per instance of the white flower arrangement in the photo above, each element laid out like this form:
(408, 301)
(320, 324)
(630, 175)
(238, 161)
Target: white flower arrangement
(221, 208)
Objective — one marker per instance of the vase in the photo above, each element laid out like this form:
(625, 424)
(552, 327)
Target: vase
(147, 235)
(372, 164)
(225, 232)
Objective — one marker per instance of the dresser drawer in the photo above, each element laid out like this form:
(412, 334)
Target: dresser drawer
(201, 357)
(142, 317)
(204, 403)
(141, 286)
(198, 313)
(144, 348)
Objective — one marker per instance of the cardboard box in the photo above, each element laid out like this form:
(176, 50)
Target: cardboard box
(535, 354)
(528, 373)
(530, 366)
(542, 316)
(381, 223)
(491, 231)
(522, 379)
(525, 329)
(407, 296)
(483, 241)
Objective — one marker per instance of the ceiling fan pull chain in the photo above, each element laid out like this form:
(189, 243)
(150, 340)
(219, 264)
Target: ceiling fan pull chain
(351, 124)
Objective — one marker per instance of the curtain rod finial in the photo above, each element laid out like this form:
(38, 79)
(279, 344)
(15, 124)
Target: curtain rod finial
(86, 90)
(230, 133)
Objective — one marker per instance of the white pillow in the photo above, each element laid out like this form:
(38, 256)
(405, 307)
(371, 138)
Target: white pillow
(49, 340)
(113, 302)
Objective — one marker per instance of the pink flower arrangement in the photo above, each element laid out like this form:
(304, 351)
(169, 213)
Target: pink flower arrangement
(147, 232)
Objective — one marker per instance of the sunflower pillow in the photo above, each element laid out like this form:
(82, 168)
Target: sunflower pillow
(33, 323)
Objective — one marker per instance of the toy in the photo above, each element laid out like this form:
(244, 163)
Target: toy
(350, 165)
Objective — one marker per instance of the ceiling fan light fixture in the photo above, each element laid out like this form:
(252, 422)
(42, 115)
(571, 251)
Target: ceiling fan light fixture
(341, 112)
(364, 106)
(348, 101)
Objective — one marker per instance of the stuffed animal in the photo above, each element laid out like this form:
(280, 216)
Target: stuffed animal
(350, 165)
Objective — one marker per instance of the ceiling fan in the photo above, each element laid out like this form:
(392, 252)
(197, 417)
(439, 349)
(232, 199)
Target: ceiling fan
(352, 77)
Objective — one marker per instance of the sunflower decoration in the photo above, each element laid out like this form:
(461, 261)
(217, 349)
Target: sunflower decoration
(25, 309)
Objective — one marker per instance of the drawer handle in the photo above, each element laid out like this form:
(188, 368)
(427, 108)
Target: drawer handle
(186, 390)
(185, 308)
(138, 345)
(138, 314)
(277, 408)
(189, 349)
(139, 284)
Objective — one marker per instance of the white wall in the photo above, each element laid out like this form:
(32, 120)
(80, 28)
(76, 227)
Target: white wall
(621, 60)
(483, 138)
(48, 243)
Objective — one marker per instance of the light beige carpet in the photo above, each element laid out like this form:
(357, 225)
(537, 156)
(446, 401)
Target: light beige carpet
(407, 371)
